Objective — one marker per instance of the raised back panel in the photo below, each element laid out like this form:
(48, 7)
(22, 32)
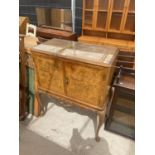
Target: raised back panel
(94, 33)
(121, 36)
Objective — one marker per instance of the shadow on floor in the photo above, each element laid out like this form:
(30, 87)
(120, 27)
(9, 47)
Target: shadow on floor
(89, 146)
(46, 99)
(31, 143)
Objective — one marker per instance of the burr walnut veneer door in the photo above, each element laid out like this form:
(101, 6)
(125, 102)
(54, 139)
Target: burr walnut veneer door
(86, 83)
(50, 73)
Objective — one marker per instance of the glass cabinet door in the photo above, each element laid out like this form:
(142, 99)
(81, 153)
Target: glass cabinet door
(88, 13)
(118, 8)
(88, 19)
(130, 18)
(89, 4)
(102, 13)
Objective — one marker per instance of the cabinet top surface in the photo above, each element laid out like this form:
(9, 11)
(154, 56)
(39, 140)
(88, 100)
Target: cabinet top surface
(98, 54)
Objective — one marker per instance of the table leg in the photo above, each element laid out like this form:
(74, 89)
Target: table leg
(100, 120)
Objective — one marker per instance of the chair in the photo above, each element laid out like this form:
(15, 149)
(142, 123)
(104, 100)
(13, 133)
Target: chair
(31, 30)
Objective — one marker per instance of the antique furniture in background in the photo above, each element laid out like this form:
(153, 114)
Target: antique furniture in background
(126, 59)
(75, 72)
(121, 118)
(55, 23)
(55, 18)
(22, 84)
(46, 33)
(22, 24)
(27, 96)
(109, 22)
(30, 42)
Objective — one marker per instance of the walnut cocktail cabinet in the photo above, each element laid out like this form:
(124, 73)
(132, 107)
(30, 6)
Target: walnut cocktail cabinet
(75, 72)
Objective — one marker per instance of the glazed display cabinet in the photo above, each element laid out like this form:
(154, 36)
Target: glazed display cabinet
(109, 22)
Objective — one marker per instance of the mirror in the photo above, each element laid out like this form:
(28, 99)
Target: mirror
(55, 18)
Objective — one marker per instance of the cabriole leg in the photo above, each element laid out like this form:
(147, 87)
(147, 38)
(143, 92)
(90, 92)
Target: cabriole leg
(100, 120)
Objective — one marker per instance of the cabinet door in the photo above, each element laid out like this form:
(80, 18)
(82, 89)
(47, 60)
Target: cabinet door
(85, 83)
(118, 8)
(103, 8)
(88, 13)
(49, 73)
(129, 21)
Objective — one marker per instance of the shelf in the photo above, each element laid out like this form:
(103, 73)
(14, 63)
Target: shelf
(109, 31)
(123, 32)
(86, 27)
(123, 45)
(114, 31)
(88, 9)
(102, 10)
(100, 29)
(94, 33)
(124, 118)
(129, 32)
(131, 12)
(117, 11)
(121, 36)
